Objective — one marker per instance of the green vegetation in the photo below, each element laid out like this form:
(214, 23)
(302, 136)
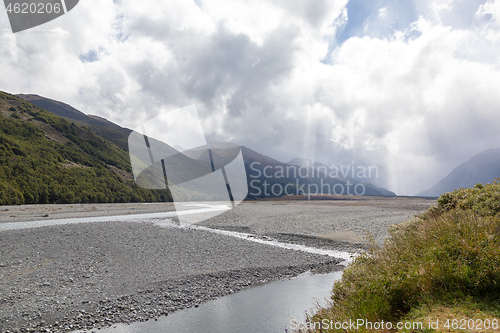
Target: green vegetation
(483, 200)
(47, 159)
(442, 265)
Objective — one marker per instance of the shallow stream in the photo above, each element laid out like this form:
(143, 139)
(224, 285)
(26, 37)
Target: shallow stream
(273, 307)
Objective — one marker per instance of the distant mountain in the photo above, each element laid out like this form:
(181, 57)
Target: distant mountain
(298, 178)
(364, 173)
(368, 175)
(48, 159)
(304, 162)
(100, 126)
(95, 145)
(482, 168)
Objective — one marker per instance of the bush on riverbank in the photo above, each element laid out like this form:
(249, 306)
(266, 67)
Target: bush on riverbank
(444, 264)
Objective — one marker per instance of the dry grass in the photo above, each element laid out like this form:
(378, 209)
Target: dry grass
(441, 265)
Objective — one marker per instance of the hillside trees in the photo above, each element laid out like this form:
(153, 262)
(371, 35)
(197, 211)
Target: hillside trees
(36, 168)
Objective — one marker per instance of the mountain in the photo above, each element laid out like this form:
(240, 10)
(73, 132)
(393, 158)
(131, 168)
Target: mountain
(268, 177)
(66, 156)
(48, 159)
(304, 162)
(367, 175)
(481, 168)
(99, 126)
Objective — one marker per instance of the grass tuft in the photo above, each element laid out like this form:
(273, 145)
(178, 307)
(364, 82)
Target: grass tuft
(445, 262)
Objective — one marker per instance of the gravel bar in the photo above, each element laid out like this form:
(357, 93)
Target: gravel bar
(345, 225)
(82, 276)
(91, 275)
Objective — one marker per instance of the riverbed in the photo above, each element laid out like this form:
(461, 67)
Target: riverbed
(279, 306)
(81, 274)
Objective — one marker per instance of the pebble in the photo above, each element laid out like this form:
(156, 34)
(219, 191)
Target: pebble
(91, 279)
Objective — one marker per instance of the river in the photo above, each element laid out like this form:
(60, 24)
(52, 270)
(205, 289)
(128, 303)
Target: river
(272, 307)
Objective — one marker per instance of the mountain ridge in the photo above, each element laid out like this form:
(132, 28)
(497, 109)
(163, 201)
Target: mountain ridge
(482, 168)
(324, 184)
(118, 137)
(100, 126)
(45, 158)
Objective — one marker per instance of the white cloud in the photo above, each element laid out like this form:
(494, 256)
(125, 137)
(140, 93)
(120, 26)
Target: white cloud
(417, 100)
(382, 13)
(419, 97)
(490, 8)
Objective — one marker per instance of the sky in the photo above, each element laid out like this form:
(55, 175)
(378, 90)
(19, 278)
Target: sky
(410, 86)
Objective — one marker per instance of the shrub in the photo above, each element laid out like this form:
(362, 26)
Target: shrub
(452, 251)
(484, 200)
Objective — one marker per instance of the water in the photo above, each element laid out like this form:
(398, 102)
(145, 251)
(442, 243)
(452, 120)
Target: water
(267, 308)
(263, 309)
(164, 220)
(96, 219)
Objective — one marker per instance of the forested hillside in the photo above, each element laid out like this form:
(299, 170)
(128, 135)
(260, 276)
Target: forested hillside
(99, 126)
(47, 159)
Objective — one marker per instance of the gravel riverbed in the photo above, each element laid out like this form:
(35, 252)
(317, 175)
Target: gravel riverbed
(90, 275)
(64, 278)
(345, 225)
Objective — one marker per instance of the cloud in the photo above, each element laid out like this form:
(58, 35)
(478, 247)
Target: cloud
(489, 11)
(408, 85)
(425, 101)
